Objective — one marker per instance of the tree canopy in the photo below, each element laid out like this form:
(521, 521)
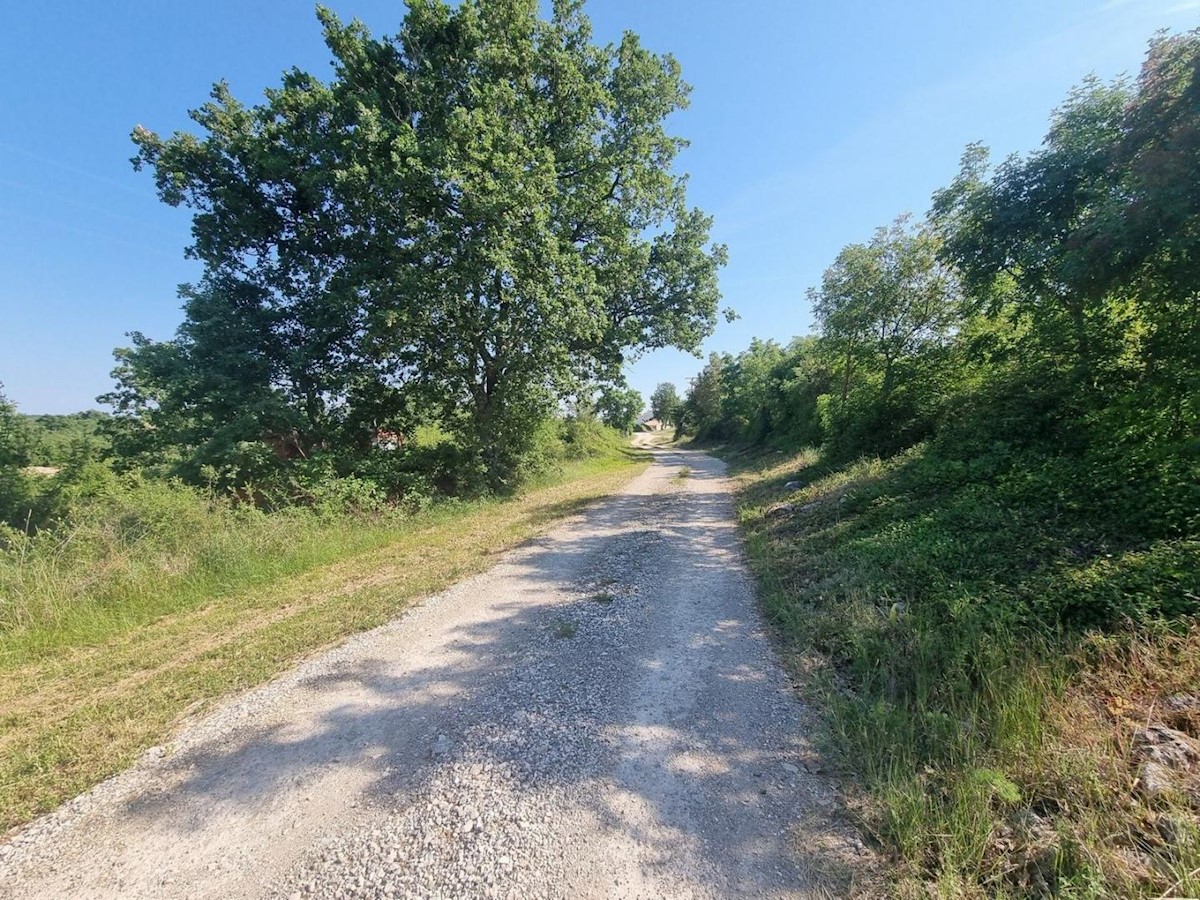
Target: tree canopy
(619, 407)
(470, 219)
(1049, 304)
(664, 403)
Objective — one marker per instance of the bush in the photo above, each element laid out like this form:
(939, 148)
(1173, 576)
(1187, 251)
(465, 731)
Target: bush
(16, 497)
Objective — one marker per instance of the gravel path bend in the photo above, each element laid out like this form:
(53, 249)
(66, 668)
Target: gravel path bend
(600, 715)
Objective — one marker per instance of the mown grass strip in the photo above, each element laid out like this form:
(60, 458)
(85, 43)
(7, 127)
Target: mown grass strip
(78, 704)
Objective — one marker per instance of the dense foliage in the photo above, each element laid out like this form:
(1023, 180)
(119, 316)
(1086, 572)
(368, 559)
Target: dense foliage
(665, 403)
(14, 455)
(471, 221)
(56, 440)
(1044, 318)
(996, 542)
(619, 407)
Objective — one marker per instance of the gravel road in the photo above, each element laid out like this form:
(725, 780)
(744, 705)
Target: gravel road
(600, 715)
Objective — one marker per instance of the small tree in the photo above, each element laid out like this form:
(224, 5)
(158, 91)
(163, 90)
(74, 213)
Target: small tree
(703, 411)
(664, 403)
(884, 301)
(619, 407)
(882, 308)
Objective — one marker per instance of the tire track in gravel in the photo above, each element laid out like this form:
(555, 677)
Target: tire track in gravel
(600, 715)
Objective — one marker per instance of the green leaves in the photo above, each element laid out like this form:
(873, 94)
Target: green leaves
(472, 218)
(619, 407)
(1049, 301)
(665, 403)
(888, 299)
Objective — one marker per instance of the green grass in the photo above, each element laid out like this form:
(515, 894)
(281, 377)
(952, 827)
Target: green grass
(565, 629)
(113, 632)
(946, 616)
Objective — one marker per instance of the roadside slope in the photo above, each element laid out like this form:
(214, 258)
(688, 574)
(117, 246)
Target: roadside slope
(992, 750)
(598, 715)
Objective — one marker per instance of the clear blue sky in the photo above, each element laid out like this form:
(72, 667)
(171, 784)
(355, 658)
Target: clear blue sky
(812, 122)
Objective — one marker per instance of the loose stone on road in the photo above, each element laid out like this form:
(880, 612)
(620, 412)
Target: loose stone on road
(600, 715)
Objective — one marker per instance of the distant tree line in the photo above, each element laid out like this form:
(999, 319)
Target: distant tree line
(56, 440)
(1047, 310)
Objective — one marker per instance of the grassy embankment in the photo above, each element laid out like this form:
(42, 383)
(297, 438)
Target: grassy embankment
(115, 630)
(990, 755)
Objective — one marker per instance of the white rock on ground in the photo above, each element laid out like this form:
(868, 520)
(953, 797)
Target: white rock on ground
(600, 715)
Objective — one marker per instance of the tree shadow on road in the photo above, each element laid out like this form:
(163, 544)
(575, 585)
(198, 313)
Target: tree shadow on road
(691, 743)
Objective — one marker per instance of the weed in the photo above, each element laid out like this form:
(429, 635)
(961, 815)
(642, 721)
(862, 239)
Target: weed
(565, 628)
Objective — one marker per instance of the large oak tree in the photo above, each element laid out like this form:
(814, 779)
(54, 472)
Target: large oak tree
(466, 222)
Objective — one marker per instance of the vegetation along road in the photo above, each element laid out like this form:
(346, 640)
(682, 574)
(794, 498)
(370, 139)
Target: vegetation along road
(358, 589)
(598, 715)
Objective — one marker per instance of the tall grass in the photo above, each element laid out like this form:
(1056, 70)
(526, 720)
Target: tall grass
(950, 620)
(143, 549)
(117, 551)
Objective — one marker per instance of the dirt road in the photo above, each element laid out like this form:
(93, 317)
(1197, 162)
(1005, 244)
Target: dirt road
(600, 715)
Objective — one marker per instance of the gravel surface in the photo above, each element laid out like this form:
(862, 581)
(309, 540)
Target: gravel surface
(600, 715)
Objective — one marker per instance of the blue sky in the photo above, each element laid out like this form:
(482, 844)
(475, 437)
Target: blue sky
(811, 123)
